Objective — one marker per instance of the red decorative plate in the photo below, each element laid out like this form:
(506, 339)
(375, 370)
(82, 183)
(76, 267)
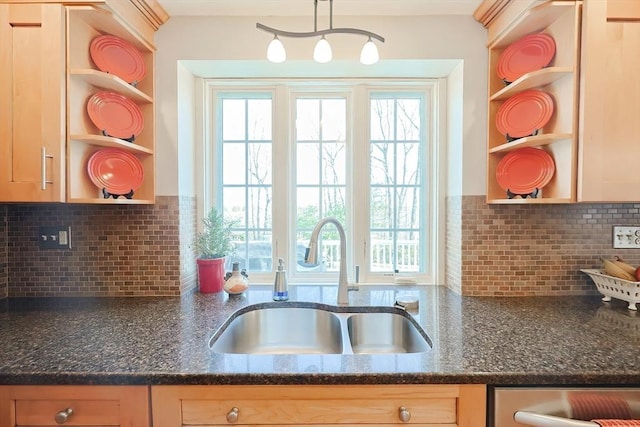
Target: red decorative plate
(115, 114)
(116, 170)
(529, 53)
(524, 113)
(116, 56)
(523, 170)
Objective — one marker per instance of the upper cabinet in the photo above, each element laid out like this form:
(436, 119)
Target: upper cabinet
(538, 105)
(63, 131)
(592, 135)
(32, 111)
(609, 131)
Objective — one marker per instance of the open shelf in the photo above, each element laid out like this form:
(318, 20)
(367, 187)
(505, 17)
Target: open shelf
(110, 141)
(532, 80)
(531, 141)
(110, 82)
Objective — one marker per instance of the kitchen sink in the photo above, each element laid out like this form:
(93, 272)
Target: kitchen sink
(311, 328)
(373, 333)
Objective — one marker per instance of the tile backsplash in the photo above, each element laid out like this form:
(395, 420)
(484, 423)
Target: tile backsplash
(517, 250)
(139, 250)
(117, 250)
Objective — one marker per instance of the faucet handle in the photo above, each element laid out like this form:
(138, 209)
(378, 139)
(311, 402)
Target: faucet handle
(353, 287)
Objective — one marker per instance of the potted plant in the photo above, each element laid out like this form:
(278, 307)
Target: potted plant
(213, 244)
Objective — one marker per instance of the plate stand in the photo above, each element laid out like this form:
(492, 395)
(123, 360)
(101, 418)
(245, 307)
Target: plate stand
(106, 194)
(534, 194)
(511, 139)
(131, 139)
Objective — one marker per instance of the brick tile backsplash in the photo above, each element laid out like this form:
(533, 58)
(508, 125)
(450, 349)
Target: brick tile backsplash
(518, 250)
(142, 250)
(117, 250)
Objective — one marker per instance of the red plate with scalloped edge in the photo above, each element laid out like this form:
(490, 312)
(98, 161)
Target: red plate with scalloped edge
(529, 53)
(117, 56)
(523, 170)
(115, 114)
(524, 113)
(116, 170)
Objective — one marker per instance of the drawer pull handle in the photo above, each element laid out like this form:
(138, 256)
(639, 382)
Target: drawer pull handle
(404, 414)
(232, 416)
(63, 416)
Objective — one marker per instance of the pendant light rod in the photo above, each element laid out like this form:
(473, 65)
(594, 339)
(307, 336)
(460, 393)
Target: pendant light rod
(282, 33)
(315, 31)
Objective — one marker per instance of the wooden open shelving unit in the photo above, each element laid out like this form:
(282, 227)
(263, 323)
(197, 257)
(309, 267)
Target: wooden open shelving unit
(560, 79)
(84, 23)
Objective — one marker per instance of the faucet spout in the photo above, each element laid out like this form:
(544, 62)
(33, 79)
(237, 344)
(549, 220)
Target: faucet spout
(311, 256)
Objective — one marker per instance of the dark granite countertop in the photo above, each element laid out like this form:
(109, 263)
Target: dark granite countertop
(501, 341)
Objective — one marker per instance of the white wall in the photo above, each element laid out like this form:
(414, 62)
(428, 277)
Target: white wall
(229, 39)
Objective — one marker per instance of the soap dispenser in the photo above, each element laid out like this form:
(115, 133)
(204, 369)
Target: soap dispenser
(280, 286)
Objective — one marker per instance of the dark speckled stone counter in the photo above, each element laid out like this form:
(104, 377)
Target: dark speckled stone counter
(501, 341)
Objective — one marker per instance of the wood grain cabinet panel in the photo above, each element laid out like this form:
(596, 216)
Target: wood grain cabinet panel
(122, 406)
(380, 405)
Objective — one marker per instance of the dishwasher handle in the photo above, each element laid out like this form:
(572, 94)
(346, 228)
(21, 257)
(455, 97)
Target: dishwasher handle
(540, 420)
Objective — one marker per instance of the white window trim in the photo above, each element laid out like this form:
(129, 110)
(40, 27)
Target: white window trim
(282, 90)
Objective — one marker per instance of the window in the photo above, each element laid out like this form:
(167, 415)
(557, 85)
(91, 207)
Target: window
(287, 155)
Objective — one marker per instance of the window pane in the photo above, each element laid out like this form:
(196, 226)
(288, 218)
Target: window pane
(307, 120)
(333, 162)
(333, 202)
(259, 169)
(334, 119)
(234, 203)
(382, 119)
(259, 208)
(396, 205)
(381, 163)
(307, 165)
(233, 172)
(308, 212)
(259, 119)
(233, 112)
(408, 120)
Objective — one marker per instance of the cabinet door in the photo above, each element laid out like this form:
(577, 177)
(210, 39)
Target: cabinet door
(609, 154)
(32, 111)
(124, 406)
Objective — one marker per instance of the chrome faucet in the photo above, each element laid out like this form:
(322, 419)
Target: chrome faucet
(311, 256)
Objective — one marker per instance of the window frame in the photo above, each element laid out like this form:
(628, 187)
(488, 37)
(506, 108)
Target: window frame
(358, 94)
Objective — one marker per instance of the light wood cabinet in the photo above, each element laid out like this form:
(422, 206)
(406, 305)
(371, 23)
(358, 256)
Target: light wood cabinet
(609, 155)
(560, 20)
(124, 406)
(46, 135)
(379, 405)
(32, 111)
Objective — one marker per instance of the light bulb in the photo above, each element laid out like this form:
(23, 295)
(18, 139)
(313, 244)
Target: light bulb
(275, 51)
(369, 54)
(322, 51)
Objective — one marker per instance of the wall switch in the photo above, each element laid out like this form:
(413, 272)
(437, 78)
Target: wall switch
(626, 237)
(56, 237)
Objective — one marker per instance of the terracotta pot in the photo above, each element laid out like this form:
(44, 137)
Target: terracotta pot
(211, 275)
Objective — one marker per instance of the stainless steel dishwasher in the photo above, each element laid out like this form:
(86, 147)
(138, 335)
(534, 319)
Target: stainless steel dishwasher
(561, 407)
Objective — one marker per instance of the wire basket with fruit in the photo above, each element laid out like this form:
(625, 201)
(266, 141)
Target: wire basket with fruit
(617, 279)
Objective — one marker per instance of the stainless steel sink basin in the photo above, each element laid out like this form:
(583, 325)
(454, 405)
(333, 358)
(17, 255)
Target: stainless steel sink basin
(281, 330)
(310, 328)
(374, 333)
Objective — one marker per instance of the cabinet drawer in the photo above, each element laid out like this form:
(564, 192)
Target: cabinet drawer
(319, 411)
(85, 412)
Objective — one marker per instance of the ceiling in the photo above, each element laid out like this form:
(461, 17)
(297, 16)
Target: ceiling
(305, 7)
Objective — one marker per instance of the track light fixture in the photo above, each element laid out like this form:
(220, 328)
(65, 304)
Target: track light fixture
(322, 52)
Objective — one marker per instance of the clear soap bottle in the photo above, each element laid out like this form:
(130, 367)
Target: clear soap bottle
(280, 286)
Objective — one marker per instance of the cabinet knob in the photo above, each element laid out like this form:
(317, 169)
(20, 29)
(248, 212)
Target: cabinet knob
(232, 415)
(404, 414)
(63, 416)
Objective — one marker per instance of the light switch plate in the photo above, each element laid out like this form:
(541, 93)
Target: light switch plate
(55, 237)
(626, 237)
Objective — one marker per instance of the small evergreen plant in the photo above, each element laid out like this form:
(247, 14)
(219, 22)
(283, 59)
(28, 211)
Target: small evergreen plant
(215, 240)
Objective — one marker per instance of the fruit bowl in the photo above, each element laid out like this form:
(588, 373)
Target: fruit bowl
(614, 287)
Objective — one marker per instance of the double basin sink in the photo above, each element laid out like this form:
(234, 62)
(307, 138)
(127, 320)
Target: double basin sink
(311, 328)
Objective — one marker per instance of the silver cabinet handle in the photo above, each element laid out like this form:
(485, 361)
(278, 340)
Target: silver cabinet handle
(232, 415)
(43, 168)
(63, 416)
(404, 414)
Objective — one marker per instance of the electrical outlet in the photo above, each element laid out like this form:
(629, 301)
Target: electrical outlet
(626, 237)
(56, 237)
